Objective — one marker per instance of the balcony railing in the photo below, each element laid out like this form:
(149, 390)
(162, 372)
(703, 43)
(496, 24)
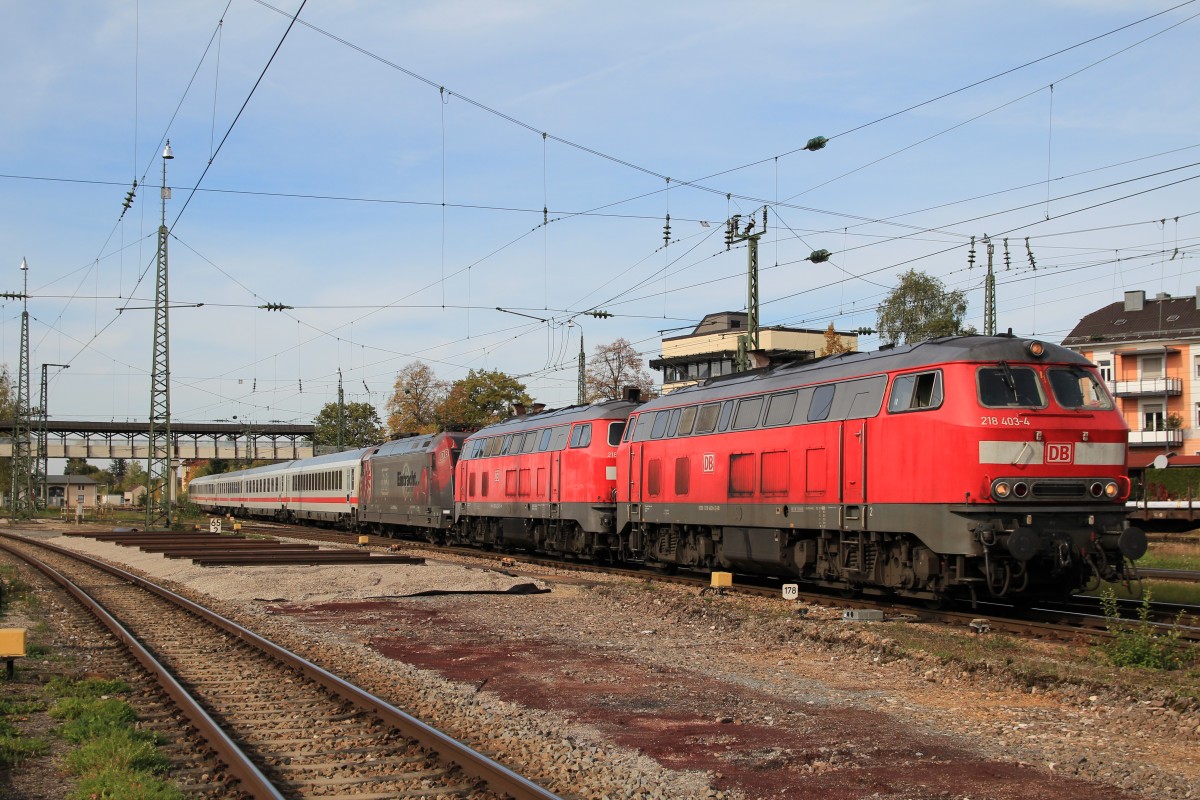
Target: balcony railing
(1173, 438)
(1148, 386)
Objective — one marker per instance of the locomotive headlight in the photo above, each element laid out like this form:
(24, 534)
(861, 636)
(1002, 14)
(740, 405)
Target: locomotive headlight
(1111, 490)
(1001, 490)
(1036, 349)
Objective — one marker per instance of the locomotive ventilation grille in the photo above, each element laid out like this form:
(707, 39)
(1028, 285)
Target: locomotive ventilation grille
(1058, 490)
(1007, 490)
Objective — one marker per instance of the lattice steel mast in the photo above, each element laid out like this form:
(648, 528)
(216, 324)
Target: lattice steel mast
(21, 500)
(158, 459)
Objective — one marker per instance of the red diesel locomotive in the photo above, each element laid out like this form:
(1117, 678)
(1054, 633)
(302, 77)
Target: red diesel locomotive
(545, 482)
(975, 466)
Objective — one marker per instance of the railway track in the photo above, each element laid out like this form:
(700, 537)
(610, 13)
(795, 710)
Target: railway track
(279, 726)
(1070, 620)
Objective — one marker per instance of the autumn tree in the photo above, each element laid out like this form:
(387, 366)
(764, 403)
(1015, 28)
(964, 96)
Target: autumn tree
(920, 308)
(834, 343)
(413, 407)
(614, 366)
(481, 398)
(361, 426)
(80, 466)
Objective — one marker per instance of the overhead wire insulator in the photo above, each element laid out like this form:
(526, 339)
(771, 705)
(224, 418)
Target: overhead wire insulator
(667, 232)
(971, 255)
(275, 307)
(816, 143)
(1029, 250)
(764, 218)
(1007, 257)
(819, 256)
(599, 314)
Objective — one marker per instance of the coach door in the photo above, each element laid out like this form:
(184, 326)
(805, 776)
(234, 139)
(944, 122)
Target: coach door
(854, 472)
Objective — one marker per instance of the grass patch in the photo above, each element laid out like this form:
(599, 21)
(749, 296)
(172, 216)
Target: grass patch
(114, 759)
(1171, 555)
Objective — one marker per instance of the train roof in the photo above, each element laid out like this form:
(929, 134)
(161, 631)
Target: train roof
(843, 366)
(414, 444)
(609, 409)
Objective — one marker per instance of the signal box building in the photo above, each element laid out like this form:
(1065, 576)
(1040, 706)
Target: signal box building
(711, 348)
(1148, 352)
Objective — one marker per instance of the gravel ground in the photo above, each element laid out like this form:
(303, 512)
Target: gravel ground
(612, 688)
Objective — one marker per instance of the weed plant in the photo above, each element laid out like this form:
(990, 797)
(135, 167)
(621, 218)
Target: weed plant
(1141, 644)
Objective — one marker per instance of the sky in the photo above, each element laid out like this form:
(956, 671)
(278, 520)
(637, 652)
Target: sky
(397, 173)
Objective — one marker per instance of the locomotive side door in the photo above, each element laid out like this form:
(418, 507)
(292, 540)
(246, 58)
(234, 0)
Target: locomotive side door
(854, 472)
(635, 482)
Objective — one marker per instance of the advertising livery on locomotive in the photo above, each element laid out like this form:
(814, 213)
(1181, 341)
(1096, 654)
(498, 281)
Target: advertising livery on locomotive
(975, 466)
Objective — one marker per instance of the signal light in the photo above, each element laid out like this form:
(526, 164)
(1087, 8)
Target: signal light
(1036, 349)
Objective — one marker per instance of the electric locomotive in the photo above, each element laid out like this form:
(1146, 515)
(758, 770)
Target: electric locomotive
(975, 466)
(409, 483)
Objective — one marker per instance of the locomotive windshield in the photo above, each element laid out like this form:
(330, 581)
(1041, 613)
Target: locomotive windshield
(1010, 387)
(1075, 387)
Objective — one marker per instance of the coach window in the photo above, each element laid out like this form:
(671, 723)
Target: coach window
(673, 422)
(780, 408)
(918, 392)
(615, 429)
(544, 442)
(660, 425)
(748, 413)
(726, 413)
(687, 421)
(531, 440)
(1075, 387)
(507, 447)
(822, 402)
(582, 435)
(706, 419)
(1009, 387)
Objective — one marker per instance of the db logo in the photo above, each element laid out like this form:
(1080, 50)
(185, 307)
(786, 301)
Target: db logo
(1058, 453)
(710, 462)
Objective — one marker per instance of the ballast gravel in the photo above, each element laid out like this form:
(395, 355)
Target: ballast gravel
(611, 688)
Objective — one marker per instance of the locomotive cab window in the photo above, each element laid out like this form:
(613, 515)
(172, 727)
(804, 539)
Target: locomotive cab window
(1004, 386)
(615, 429)
(917, 392)
(1075, 387)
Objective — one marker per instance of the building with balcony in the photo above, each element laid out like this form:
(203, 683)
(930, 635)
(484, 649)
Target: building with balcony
(1148, 352)
(711, 348)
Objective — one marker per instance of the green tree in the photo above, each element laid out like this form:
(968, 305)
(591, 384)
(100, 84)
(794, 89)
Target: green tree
(116, 471)
(614, 366)
(80, 466)
(361, 426)
(920, 308)
(481, 398)
(413, 406)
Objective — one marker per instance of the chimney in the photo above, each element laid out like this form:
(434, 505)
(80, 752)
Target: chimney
(632, 394)
(1198, 298)
(538, 408)
(1134, 301)
(1162, 296)
(519, 409)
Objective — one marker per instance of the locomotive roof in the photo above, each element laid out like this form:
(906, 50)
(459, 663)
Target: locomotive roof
(853, 365)
(610, 409)
(415, 444)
